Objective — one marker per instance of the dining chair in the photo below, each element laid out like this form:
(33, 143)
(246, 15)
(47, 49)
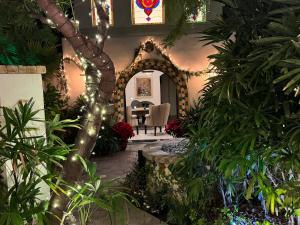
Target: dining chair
(132, 119)
(158, 116)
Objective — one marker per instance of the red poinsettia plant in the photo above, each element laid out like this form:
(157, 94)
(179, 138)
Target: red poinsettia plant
(123, 130)
(174, 128)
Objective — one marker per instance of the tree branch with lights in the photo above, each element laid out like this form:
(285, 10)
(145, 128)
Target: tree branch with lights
(100, 82)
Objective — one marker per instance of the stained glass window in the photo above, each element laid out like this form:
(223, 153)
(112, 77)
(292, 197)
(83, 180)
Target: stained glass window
(107, 4)
(199, 15)
(147, 12)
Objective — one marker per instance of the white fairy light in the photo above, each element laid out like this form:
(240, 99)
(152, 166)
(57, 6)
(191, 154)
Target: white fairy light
(74, 158)
(55, 204)
(69, 193)
(99, 38)
(92, 131)
(103, 111)
(82, 141)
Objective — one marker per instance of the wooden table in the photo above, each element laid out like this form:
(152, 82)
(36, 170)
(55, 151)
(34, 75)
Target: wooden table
(140, 112)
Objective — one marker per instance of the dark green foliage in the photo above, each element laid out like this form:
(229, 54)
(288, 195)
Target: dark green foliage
(24, 40)
(140, 170)
(183, 9)
(24, 150)
(107, 143)
(151, 197)
(249, 120)
(53, 102)
(34, 159)
(74, 112)
(200, 190)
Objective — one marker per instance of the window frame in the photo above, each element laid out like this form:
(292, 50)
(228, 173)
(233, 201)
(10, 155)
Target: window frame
(145, 24)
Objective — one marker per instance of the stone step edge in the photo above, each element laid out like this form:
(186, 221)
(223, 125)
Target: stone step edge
(19, 69)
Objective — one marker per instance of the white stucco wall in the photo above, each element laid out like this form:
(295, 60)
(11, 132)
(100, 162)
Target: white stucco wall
(16, 87)
(131, 88)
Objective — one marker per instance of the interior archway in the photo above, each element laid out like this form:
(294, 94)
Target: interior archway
(166, 67)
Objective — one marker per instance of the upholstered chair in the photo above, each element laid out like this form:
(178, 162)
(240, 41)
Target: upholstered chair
(158, 116)
(136, 104)
(132, 119)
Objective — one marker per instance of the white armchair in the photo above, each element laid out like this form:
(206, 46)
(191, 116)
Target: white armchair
(158, 116)
(132, 119)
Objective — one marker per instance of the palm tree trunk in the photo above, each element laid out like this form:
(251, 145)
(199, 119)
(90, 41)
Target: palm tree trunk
(97, 61)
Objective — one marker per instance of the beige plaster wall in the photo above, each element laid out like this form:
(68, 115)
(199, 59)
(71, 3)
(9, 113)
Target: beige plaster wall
(16, 87)
(188, 54)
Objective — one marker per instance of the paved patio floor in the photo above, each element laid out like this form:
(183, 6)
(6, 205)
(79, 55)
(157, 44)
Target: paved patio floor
(118, 166)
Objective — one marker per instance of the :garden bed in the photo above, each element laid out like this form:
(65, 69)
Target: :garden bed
(153, 185)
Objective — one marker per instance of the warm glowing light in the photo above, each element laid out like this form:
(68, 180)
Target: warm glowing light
(91, 131)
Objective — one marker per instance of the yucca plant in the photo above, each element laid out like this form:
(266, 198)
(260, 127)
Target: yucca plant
(36, 159)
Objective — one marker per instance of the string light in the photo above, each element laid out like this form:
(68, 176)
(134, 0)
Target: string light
(55, 204)
(91, 131)
(162, 52)
(74, 158)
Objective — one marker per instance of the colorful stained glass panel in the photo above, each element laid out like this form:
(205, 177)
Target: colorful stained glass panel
(147, 12)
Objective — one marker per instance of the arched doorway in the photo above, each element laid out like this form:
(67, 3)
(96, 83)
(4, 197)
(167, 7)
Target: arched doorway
(166, 67)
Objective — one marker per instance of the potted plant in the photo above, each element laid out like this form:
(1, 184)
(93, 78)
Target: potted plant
(123, 132)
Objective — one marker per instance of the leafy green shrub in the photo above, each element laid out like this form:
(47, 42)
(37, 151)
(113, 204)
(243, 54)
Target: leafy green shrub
(53, 102)
(107, 142)
(34, 159)
(24, 39)
(248, 118)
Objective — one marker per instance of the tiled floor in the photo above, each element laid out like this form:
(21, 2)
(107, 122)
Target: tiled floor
(150, 135)
(117, 166)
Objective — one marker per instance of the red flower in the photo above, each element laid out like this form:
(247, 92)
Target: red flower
(123, 130)
(174, 128)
